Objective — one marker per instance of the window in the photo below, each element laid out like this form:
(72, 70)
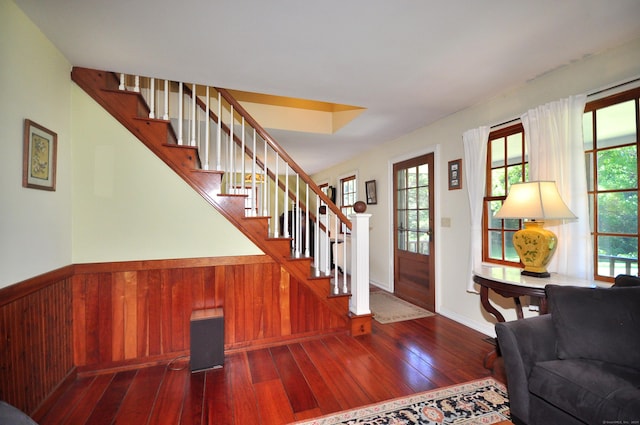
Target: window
(348, 195)
(610, 128)
(507, 163)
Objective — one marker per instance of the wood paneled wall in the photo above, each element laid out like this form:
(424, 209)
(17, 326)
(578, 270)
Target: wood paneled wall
(115, 315)
(36, 350)
(136, 312)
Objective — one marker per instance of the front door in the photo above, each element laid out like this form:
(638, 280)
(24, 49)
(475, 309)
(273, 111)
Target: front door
(413, 231)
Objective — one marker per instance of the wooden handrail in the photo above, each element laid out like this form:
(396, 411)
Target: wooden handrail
(259, 162)
(283, 154)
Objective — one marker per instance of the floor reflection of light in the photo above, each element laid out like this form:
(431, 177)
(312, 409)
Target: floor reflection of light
(417, 351)
(418, 368)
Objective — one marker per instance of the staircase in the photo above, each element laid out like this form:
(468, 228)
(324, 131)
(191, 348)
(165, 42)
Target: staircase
(244, 165)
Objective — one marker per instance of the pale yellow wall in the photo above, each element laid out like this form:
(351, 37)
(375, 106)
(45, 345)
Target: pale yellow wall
(114, 200)
(35, 225)
(129, 205)
(445, 139)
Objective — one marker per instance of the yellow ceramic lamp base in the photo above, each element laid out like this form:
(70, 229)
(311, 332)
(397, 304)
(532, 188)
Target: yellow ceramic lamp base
(535, 246)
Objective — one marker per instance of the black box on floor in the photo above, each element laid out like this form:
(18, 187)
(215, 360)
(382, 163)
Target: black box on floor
(207, 339)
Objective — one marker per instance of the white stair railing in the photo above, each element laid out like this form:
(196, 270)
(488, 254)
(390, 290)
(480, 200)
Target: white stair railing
(230, 140)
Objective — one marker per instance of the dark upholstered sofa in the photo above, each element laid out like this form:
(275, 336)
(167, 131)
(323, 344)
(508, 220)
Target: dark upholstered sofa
(9, 415)
(580, 363)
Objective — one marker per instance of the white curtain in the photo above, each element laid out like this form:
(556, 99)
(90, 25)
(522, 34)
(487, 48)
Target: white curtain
(475, 143)
(553, 134)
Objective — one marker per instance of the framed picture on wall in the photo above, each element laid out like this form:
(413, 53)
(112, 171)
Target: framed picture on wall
(455, 174)
(372, 197)
(39, 157)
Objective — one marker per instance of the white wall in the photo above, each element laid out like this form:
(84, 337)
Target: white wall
(129, 205)
(445, 138)
(35, 225)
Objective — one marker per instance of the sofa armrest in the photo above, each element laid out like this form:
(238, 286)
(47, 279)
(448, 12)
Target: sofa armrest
(522, 344)
(11, 415)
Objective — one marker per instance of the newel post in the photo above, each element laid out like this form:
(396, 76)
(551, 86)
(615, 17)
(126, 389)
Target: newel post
(359, 311)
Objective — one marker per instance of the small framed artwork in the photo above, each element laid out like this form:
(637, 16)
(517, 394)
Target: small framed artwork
(455, 174)
(39, 157)
(331, 193)
(372, 197)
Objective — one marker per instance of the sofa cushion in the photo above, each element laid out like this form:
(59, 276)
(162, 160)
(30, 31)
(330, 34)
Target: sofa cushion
(626, 280)
(590, 390)
(596, 323)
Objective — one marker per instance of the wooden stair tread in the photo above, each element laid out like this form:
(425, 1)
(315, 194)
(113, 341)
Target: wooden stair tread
(233, 195)
(199, 170)
(177, 146)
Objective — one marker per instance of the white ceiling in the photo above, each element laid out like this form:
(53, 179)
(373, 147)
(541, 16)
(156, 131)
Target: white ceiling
(409, 62)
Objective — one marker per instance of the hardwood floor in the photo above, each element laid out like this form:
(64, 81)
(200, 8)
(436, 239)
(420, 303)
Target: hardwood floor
(283, 384)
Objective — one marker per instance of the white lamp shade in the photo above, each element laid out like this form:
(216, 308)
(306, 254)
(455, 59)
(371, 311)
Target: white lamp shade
(537, 200)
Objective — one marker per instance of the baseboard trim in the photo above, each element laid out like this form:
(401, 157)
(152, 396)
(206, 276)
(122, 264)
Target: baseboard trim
(485, 328)
(54, 395)
(137, 363)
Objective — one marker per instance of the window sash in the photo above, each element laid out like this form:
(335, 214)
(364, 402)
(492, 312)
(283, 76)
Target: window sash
(506, 164)
(348, 196)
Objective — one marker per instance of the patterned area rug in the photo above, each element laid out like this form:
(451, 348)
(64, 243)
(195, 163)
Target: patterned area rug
(388, 309)
(477, 402)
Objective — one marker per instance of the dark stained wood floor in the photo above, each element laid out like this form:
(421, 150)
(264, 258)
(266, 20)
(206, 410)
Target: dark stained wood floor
(286, 383)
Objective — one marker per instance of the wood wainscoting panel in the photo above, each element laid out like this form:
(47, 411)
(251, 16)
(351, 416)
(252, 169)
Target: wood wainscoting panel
(139, 312)
(91, 317)
(36, 350)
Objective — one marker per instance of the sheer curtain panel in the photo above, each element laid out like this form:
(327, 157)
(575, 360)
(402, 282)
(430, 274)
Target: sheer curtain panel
(475, 160)
(553, 134)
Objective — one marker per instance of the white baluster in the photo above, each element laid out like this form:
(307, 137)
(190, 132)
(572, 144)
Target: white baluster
(335, 258)
(152, 98)
(276, 224)
(187, 101)
(231, 171)
(122, 85)
(219, 137)
(253, 176)
(316, 239)
(344, 261)
(265, 182)
(207, 129)
(180, 112)
(193, 115)
(327, 245)
(136, 88)
(242, 168)
(285, 231)
(297, 218)
(166, 101)
(307, 253)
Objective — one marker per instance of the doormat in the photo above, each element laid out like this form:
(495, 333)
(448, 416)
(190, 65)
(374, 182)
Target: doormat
(482, 401)
(387, 308)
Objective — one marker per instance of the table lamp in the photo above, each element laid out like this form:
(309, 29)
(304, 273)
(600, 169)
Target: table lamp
(534, 201)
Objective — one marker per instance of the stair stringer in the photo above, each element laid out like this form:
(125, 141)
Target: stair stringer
(130, 109)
